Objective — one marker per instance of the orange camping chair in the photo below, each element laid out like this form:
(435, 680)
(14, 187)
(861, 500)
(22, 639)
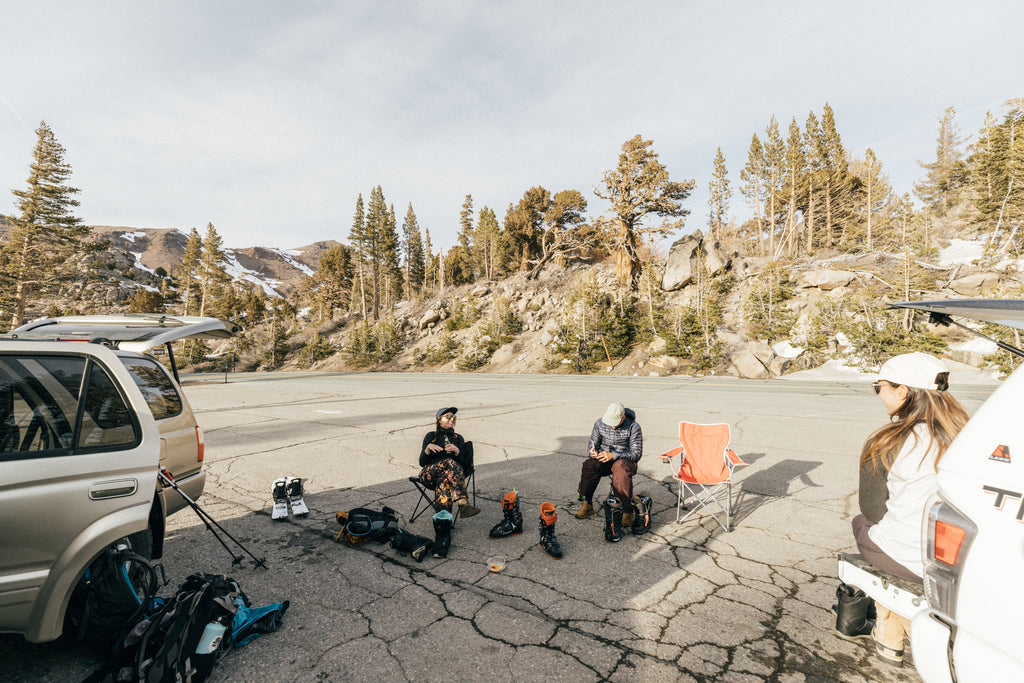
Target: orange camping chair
(706, 470)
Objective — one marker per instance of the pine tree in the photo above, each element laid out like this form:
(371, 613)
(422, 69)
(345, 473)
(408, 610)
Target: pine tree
(391, 260)
(563, 233)
(361, 245)
(815, 169)
(188, 270)
(488, 243)
(376, 225)
(330, 286)
(837, 187)
(796, 160)
(944, 178)
(876, 195)
(637, 188)
(774, 163)
(412, 243)
(466, 224)
(523, 224)
(719, 193)
(212, 273)
(753, 176)
(46, 235)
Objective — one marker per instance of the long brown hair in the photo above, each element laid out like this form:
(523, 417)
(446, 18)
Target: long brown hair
(937, 410)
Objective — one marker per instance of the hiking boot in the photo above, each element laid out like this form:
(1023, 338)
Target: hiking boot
(852, 612)
(548, 517)
(612, 521)
(467, 510)
(513, 522)
(442, 533)
(585, 510)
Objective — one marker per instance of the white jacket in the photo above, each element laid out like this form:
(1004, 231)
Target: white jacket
(912, 479)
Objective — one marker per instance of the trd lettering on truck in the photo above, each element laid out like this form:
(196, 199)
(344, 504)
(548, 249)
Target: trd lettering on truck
(1002, 495)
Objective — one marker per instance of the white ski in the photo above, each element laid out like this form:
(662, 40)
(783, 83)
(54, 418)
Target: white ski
(294, 486)
(280, 493)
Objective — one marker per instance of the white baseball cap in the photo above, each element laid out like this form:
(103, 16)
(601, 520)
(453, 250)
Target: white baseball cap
(916, 369)
(613, 416)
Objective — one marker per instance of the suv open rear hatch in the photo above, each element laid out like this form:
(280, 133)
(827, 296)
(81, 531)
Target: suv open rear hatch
(138, 332)
(1008, 312)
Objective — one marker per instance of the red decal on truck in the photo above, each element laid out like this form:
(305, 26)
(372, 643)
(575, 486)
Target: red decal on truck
(1001, 453)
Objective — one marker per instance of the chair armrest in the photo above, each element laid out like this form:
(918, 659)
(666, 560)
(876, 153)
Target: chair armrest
(733, 459)
(668, 455)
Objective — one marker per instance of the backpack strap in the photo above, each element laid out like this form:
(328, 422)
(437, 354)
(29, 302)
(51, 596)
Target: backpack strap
(169, 653)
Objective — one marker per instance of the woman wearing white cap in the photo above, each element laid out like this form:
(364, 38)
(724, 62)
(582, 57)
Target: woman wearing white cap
(923, 420)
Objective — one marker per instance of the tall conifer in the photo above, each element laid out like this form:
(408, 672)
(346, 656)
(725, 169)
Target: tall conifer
(46, 235)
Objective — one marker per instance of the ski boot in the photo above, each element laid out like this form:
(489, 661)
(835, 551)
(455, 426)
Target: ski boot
(548, 517)
(513, 522)
(411, 544)
(642, 522)
(442, 533)
(612, 520)
(294, 488)
(280, 493)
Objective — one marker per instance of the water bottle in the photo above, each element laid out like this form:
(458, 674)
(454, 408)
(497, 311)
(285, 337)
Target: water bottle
(212, 635)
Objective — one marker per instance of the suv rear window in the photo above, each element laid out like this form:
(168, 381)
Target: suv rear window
(157, 388)
(39, 407)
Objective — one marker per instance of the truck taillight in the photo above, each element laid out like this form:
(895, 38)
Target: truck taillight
(948, 539)
(949, 534)
(200, 446)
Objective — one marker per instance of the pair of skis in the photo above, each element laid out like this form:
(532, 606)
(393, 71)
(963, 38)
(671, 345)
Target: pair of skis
(287, 492)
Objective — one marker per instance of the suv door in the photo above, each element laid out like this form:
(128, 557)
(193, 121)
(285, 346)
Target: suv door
(78, 459)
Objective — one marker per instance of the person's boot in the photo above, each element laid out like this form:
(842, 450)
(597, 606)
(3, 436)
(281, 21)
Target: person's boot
(642, 522)
(411, 544)
(585, 509)
(442, 533)
(612, 520)
(467, 510)
(513, 522)
(548, 517)
(852, 612)
(888, 635)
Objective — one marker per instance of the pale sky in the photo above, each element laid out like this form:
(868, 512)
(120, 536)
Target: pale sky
(269, 118)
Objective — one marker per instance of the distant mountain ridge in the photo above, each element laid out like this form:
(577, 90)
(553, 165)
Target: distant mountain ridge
(277, 271)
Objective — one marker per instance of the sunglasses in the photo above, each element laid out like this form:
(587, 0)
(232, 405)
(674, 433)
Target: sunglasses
(448, 416)
(877, 386)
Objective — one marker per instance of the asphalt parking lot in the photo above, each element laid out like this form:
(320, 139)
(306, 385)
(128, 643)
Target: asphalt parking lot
(684, 602)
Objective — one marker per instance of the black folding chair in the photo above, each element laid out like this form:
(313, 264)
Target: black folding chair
(429, 502)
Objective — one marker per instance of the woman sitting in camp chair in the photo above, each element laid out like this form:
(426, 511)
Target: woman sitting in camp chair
(447, 461)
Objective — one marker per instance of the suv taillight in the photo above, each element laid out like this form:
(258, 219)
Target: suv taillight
(200, 446)
(949, 538)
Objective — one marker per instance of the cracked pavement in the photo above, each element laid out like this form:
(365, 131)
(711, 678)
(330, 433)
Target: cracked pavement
(684, 602)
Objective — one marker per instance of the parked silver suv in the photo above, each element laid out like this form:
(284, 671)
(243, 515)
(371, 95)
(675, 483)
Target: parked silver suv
(83, 429)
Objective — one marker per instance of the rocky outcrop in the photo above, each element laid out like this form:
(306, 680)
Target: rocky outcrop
(824, 279)
(977, 284)
(686, 255)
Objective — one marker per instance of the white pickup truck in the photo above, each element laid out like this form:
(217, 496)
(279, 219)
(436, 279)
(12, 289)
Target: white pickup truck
(968, 624)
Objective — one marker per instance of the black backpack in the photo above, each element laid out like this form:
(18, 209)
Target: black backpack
(362, 525)
(114, 592)
(162, 646)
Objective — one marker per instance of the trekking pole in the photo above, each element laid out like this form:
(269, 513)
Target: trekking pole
(168, 480)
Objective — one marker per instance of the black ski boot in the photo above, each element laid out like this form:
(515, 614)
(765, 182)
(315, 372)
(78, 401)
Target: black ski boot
(612, 520)
(442, 533)
(852, 612)
(513, 522)
(642, 522)
(411, 544)
(548, 517)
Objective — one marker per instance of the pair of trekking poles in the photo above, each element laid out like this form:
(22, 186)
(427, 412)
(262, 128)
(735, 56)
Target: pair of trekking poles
(210, 522)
